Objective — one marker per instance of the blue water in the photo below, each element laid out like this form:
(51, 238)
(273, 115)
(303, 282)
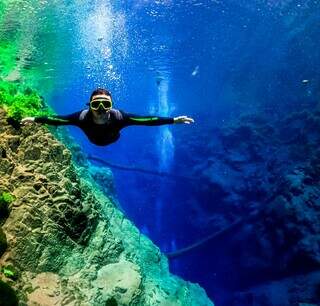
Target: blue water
(210, 60)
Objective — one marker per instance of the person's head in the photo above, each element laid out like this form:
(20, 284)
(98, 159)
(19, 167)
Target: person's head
(100, 100)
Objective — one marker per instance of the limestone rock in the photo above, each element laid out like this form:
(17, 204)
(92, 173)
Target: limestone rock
(47, 290)
(120, 279)
(67, 239)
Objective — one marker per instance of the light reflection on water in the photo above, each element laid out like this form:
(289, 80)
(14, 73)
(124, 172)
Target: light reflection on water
(56, 38)
(70, 27)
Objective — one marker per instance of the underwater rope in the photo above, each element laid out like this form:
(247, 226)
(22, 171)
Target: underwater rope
(137, 169)
(205, 240)
(253, 216)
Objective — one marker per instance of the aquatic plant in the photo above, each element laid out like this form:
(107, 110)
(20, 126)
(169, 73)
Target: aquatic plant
(20, 101)
(10, 272)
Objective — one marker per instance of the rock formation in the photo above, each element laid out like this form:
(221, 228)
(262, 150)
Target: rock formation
(261, 186)
(67, 243)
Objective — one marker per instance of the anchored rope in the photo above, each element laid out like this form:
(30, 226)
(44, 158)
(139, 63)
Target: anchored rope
(253, 216)
(142, 170)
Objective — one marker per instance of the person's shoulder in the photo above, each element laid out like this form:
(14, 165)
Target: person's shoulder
(117, 113)
(83, 114)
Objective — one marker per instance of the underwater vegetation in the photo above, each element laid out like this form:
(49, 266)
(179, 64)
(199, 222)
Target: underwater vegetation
(21, 101)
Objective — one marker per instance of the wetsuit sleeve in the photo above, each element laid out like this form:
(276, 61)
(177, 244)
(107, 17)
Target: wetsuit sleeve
(132, 119)
(71, 119)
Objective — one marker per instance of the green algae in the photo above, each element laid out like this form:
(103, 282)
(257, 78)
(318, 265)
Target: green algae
(16, 98)
(10, 272)
(6, 197)
(21, 101)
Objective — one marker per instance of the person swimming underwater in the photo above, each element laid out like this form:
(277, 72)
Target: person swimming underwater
(101, 122)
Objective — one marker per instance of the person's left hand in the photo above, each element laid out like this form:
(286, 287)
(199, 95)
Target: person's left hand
(183, 119)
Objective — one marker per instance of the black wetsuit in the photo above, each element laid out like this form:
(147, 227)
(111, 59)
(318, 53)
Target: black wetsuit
(109, 132)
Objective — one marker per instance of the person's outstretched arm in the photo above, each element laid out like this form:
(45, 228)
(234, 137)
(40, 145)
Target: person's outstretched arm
(132, 119)
(71, 119)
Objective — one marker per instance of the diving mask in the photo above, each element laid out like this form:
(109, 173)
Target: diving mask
(100, 101)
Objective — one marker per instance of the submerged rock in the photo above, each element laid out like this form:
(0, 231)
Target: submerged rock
(8, 296)
(262, 175)
(122, 279)
(67, 240)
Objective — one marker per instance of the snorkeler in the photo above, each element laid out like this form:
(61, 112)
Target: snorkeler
(102, 123)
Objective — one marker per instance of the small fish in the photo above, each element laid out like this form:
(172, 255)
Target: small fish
(305, 81)
(195, 71)
(100, 38)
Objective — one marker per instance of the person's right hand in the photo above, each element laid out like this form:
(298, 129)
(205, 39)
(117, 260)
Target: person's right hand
(27, 120)
(183, 119)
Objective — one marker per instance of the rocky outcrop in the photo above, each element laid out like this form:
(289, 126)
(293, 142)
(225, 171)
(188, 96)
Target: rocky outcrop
(67, 241)
(261, 195)
(277, 249)
(301, 290)
(249, 159)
